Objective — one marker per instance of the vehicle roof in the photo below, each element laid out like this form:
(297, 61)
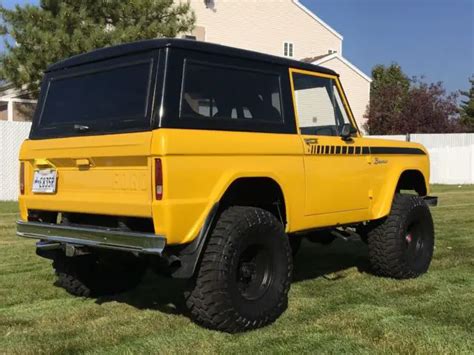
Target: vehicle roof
(146, 45)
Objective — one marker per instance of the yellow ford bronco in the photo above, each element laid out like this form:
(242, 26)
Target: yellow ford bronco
(211, 163)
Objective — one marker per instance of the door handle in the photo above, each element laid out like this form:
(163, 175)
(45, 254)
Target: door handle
(310, 140)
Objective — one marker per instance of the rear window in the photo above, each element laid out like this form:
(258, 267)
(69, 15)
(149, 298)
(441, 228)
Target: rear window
(106, 99)
(216, 93)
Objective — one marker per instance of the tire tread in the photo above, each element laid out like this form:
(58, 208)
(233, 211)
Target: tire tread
(384, 239)
(208, 302)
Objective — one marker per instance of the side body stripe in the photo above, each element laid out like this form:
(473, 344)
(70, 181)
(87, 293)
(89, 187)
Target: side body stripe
(359, 150)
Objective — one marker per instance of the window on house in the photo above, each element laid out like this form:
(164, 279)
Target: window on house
(23, 111)
(223, 93)
(288, 49)
(3, 110)
(191, 37)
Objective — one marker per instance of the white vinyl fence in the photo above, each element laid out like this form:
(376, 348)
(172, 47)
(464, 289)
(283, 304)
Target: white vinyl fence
(452, 156)
(12, 134)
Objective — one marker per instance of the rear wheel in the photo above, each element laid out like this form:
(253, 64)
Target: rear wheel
(93, 276)
(401, 246)
(245, 273)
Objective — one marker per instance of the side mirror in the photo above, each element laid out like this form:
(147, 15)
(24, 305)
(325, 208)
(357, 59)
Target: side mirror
(346, 132)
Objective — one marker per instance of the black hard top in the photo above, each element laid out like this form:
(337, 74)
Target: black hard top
(142, 46)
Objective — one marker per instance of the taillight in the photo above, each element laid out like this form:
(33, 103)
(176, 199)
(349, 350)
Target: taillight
(158, 179)
(22, 178)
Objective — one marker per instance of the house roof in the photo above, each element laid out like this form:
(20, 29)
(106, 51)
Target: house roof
(324, 24)
(320, 60)
(315, 58)
(9, 91)
(147, 45)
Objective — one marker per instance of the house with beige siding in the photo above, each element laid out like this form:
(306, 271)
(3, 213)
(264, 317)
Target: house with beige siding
(15, 105)
(283, 28)
(278, 27)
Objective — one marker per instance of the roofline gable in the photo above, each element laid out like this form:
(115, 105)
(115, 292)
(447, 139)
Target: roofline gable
(345, 61)
(312, 14)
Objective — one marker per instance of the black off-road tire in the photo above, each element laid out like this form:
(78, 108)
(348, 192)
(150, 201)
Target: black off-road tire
(295, 244)
(401, 246)
(223, 296)
(90, 276)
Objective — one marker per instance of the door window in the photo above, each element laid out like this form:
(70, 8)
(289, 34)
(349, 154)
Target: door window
(319, 105)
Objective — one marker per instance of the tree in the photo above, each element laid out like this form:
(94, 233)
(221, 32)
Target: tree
(36, 36)
(467, 107)
(399, 105)
(429, 109)
(389, 90)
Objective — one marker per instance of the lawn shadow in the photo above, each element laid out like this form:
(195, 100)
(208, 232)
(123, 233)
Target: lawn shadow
(329, 261)
(154, 292)
(312, 261)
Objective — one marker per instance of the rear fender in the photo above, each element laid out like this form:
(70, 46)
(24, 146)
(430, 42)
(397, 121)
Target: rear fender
(219, 191)
(188, 255)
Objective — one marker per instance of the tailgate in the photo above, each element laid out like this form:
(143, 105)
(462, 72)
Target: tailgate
(108, 174)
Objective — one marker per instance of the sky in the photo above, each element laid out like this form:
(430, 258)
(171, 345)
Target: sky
(430, 38)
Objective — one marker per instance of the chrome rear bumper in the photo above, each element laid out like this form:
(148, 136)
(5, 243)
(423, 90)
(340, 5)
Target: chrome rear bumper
(92, 237)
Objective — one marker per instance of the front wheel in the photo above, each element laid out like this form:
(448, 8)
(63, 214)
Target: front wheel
(402, 245)
(245, 273)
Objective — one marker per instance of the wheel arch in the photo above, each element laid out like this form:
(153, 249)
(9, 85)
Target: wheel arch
(244, 191)
(256, 191)
(411, 179)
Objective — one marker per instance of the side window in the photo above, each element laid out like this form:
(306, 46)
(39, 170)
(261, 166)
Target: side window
(217, 93)
(319, 105)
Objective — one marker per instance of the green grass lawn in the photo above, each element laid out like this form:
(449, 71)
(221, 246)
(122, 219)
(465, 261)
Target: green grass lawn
(335, 305)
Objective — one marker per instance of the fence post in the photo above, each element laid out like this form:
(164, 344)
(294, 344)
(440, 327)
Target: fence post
(472, 164)
(10, 110)
(2, 170)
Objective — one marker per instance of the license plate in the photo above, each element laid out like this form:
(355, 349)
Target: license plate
(44, 181)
